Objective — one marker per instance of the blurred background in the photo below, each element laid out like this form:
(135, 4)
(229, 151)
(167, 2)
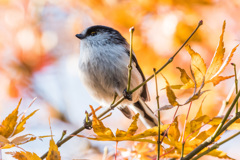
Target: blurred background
(39, 58)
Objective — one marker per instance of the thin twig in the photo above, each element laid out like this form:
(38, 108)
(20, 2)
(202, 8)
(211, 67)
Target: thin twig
(131, 30)
(165, 133)
(226, 101)
(185, 124)
(116, 150)
(159, 122)
(236, 84)
(122, 98)
(167, 152)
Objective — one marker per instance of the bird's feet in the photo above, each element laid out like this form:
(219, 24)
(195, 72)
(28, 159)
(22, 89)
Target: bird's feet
(127, 95)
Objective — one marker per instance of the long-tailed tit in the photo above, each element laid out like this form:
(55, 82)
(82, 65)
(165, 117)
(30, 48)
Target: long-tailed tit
(103, 64)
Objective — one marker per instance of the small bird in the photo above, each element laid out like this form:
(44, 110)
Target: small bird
(103, 65)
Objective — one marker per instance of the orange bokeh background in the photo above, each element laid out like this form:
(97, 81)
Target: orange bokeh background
(39, 51)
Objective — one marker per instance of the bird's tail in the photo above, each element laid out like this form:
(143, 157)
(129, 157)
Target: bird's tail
(146, 114)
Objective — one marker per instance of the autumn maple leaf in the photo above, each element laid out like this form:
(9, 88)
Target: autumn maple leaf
(105, 134)
(12, 125)
(193, 136)
(200, 71)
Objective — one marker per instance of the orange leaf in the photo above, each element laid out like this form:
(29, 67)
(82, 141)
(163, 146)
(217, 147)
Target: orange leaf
(24, 155)
(20, 127)
(53, 153)
(173, 132)
(5, 143)
(170, 94)
(133, 127)
(105, 134)
(218, 79)
(187, 81)
(235, 125)
(218, 57)
(99, 128)
(197, 64)
(9, 123)
(219, 154)
(226, 62)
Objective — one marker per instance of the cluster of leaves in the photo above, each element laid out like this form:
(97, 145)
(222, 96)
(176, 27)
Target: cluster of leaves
(10, 128)
(201, 75)
(194, 135)
(12, 125)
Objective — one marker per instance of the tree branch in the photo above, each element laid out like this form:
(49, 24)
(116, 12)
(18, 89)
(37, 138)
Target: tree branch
(122, 98)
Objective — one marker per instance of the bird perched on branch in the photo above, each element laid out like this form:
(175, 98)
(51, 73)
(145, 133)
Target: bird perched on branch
(103, 64)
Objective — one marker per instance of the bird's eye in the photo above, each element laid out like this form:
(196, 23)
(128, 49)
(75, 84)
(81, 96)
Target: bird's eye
(93, 33)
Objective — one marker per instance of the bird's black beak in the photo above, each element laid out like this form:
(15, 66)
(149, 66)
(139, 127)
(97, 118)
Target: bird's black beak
(80, 36)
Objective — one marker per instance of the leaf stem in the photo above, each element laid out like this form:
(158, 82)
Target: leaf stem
(131, 30)
(185, 124)
(159, 122)
(167, 152)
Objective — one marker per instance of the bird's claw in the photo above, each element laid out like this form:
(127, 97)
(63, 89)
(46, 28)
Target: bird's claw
(127, 95)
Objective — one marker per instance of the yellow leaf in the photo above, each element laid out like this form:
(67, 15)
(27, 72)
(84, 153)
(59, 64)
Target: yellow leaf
(205, 134)
(226, 62)
(235, 125)
(99, 128)
(103, 132)
(120, 133)
(219, 154)
(151, 132)
(170, 94)
(133, 127)
(8, 125)
(199, 113)
(197, 64)
(194, 142)
(193, 127)
(173, 132)
(218, 57)
(187, 81)
(24, 155)
(53, 153)
(5, 143)
(215, 121)
(20, 126)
